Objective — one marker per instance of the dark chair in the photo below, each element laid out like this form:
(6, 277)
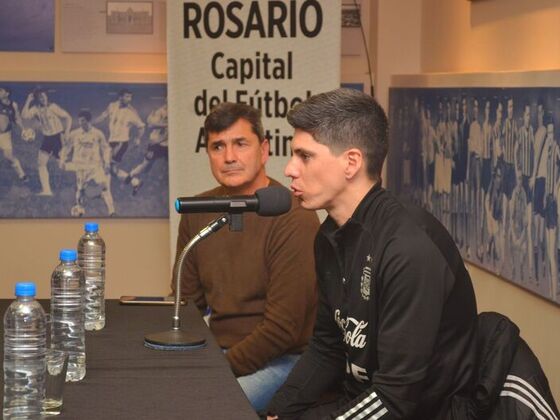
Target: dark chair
(511, 383)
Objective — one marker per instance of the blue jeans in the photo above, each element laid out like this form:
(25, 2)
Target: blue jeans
(259, 387)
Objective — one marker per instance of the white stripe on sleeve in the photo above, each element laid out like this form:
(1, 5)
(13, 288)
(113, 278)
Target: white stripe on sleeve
(527, 389)
(368, 404)
(524, 401)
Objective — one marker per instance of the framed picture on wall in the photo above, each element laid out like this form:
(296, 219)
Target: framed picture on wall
(130, 17)
(83, 149)
(27, 25)
(113, 26)
(484, 158)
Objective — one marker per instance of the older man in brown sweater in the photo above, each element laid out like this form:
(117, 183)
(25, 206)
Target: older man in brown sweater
(259, 284)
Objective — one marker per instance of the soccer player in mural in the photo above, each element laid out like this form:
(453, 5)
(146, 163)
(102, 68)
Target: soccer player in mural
(552, 181)
(91, 159)
(157, 147)
(424, 152)
(524, 162)
(495, 205)
(486, 148)
(428, 150)
(537, 186)
(450, 133)
(459, 174)
(497, 139)
(519, 232)
(122, 117)
(9, 118)
(455, 208)
(439, 145)
(50, 117)
(510, 134)
(497, 160)
(486, 168)
(416, 150)
(474, 172)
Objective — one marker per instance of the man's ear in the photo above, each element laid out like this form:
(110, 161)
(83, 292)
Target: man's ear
(354, 162)
(265, 149)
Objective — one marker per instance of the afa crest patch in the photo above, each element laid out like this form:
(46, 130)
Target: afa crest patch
(366, 279)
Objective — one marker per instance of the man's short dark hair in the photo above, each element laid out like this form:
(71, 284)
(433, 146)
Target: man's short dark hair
(123, 92)
(224, 115)
(85, 114)
(345, 118)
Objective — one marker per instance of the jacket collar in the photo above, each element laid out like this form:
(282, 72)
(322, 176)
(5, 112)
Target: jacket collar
(329, 226)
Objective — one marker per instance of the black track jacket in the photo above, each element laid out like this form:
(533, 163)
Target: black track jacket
(396, 322)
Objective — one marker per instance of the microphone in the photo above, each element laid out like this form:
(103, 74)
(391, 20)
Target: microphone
(269, 201)
(176, 338)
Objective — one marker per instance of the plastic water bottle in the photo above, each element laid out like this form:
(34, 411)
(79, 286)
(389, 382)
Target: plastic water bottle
(91, 256)
(67, 313)
(25, 348)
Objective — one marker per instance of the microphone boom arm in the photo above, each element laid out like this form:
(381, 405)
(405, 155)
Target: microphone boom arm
(214, 226)
(176, 339)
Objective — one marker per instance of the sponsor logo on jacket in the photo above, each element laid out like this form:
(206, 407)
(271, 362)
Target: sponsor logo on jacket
(352, 330)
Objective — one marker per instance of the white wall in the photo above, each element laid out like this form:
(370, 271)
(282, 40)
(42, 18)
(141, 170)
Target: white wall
(398, 43)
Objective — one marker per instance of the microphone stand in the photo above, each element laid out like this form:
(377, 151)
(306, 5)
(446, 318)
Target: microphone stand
(177, 339)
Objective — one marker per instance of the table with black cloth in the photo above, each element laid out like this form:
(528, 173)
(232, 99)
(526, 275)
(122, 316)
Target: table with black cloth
(125, 380)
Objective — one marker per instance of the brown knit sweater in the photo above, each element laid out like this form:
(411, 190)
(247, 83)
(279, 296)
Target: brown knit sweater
(259, 283)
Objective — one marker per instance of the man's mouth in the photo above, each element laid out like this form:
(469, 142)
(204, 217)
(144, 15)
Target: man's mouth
(232, 171)
(296, 191)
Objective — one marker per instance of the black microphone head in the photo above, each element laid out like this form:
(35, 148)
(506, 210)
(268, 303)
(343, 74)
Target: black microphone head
(273, 201)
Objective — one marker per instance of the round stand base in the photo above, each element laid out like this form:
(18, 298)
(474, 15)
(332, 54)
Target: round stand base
(173, 340)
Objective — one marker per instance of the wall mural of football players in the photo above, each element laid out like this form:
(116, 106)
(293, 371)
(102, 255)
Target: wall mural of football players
(490, 160)
(53, 160)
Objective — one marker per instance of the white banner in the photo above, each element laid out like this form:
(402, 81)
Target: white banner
(269, 54)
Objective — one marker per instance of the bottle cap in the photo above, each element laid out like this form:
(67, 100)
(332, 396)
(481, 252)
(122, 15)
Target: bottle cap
(68, 255)
(25, 289)
(91, 227)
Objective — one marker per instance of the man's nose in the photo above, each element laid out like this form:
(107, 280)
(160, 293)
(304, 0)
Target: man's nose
(230, 154)
(289, 170)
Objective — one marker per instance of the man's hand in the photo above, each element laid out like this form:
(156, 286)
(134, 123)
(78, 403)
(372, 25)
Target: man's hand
(271, 417)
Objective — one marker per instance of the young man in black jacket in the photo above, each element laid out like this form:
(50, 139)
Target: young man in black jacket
(396, 324)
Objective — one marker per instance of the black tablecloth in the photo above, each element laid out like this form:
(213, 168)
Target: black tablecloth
(125, 380)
